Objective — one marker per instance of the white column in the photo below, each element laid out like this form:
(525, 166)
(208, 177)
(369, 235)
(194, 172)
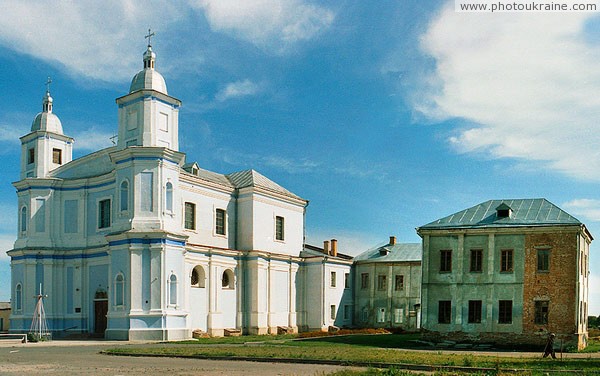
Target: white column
(135, 278)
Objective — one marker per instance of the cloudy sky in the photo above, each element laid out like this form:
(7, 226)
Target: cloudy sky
(386, 115)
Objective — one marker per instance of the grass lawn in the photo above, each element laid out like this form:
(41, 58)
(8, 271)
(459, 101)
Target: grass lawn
(390, 348)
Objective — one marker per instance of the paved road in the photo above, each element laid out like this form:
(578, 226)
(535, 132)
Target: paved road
(82, 357)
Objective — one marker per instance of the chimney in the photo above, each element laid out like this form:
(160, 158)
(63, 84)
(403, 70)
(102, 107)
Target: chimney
(334, 247)
(392, 240)
(326, 247)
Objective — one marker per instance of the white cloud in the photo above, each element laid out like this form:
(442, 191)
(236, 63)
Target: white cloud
(527, 85)
(238, 89)
(587, 208)
(272, 24)
(286, 164)
(7, 241)
(9, 133)
(349, 242)
(92, 140)
(90, 38)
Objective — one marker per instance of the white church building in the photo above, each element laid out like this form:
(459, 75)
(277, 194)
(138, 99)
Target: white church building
(132, 242)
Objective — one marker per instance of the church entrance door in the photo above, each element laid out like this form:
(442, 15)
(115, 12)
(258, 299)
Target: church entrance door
(100, 311)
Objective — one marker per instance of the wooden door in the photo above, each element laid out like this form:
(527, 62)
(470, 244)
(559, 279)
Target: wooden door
(100, 311)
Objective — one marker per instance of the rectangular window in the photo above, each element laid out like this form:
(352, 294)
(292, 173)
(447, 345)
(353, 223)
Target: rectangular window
(445, 260)
(541, 312)
(505, 312)
(381, 315)
(57, 156)
(543, 260)
(398, 315)
(190, 216)
(220, 222)
(279, 228)
(104, 213)
(31, 156)
(399, 283)
(476, 260)
(364, 281)
(506, 260)
(332, 311)
(40, 215)
(146, 188)
(347, 311)
(444, 311)
(333, 279)
(71, 216)
(346, 280)
(381, 282)
(474, 311)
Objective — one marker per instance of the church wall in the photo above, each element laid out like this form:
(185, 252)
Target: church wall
(265, 210)
(207, 201)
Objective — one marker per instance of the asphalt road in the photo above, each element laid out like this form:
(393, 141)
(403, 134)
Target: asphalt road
(83, 357)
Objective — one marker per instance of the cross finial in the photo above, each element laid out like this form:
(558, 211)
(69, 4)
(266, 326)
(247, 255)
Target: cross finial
(48, 82)
(149, 37)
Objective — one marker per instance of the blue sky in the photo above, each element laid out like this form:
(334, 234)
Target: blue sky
(385, 115)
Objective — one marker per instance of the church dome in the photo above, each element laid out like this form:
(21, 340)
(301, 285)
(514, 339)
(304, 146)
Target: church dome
(148, 78)
(46, 120)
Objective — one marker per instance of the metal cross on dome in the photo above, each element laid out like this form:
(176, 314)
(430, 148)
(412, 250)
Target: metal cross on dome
(149, 37)
(48, 82)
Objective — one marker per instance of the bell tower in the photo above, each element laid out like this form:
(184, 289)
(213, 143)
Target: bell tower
(148, 116)
(45, 147)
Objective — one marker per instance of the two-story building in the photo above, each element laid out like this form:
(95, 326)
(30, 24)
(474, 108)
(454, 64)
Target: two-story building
(508, 271)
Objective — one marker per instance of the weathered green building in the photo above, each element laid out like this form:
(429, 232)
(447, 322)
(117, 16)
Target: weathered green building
(507, 271)
(387, 284)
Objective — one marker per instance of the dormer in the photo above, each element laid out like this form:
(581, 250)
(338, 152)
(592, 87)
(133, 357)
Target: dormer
(191, 168)
(503, 211)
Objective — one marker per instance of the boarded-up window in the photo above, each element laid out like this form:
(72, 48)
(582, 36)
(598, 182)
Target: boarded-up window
(71, 216)
(57, 156)
(333, 279)
(543, 260)
(399, 283)
(364, 281)
(381, 282)
(332, 311)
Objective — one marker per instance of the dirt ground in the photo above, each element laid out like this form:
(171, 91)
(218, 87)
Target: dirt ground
(83, 357)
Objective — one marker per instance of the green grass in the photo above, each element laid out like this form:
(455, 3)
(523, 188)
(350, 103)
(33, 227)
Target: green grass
(357, 348)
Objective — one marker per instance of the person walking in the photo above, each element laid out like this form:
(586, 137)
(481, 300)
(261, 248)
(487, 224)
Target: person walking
(549, 349)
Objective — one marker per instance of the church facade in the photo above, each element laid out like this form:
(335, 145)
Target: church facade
(133, 242)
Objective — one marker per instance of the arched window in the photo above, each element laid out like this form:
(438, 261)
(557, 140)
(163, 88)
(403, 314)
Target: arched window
(24, 219)
(18, 297)
(173, 290)
(124, 195)
(228, 280)
(198, 277)
(119, 290)
(169, 197)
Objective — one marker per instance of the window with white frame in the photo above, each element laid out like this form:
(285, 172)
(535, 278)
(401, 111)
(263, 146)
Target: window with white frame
(279, 228)
(220, 221)
(190, 216)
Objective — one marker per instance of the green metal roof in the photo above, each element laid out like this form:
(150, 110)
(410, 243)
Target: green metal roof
(523, 212)
(400, 252)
